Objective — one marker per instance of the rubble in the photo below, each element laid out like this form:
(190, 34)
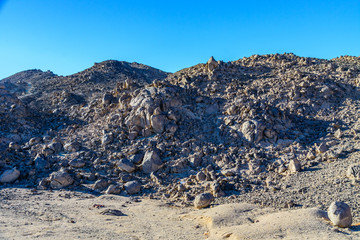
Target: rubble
(222, 127)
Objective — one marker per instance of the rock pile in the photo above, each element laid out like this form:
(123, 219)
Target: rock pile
(221, 128)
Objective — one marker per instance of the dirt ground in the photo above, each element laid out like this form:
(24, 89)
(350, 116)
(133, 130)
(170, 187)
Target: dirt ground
(29, 214)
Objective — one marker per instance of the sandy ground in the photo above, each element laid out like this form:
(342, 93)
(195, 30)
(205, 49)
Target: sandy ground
(26, 214)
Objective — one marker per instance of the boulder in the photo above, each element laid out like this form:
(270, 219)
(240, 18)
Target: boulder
(113, 189)
(126, 165)
(353, 172)
(252, 131)
(158, 123)
(211, 64)
(55, 146)
(72, 146)
(100, 184)
(77, 163)
(132, 187)
(340, 214)
(9, 176)
(151, 162)
(203, 200)
(294, 166)
(60, 179)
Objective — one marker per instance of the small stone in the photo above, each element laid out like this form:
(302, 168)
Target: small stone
(60, 179)
(294, 166)
(132, 187)
(203, 200)
(151, 162)
(9, 176)
(77, 163)
(340, 214)
(126, 165)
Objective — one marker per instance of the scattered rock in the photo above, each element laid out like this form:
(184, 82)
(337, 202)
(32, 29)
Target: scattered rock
(353, 172)
(60, 179)
(243, 122)
(113, 189)
(100, 184)
(112, 212)
(77, 163)
(9, 176)
(126, 165)
(151, 162)
(107, 139)
(203, 200)
(132, 187)
(294, 166)
(340, 214)
(158, 123)
(321, 148)
(72, 146)
(55, 146)
(41, 163)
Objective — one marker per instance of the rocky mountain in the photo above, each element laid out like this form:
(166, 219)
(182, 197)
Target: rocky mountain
(226, 128)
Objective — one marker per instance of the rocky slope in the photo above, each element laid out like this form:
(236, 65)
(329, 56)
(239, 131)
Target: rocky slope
(248, 129)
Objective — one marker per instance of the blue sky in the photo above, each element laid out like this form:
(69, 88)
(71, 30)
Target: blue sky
(67, 36)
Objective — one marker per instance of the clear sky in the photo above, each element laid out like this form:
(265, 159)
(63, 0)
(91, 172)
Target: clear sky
(67, 36)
